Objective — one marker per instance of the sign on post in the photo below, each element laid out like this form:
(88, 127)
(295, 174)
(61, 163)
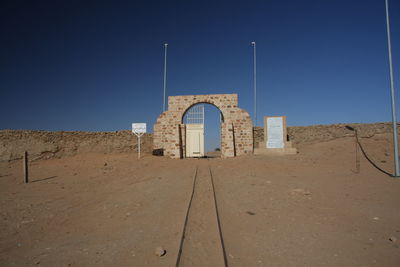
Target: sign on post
(139, 129)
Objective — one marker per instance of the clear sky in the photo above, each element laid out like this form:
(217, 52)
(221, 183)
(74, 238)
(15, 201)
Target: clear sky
(98, 65)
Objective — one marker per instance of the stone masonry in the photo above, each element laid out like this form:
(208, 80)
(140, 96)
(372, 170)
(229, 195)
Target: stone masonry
(236, 125)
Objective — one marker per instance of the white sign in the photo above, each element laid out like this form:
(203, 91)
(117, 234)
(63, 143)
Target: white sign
(275, 132)
(139, 128)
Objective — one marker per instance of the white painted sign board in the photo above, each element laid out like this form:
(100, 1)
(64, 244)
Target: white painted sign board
(275, 133)
(139, 129)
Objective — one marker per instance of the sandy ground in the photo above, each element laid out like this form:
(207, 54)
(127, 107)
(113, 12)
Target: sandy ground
(202, 244)
(308, 209)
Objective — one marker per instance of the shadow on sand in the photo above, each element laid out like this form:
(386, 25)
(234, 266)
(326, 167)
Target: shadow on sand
(44, 179)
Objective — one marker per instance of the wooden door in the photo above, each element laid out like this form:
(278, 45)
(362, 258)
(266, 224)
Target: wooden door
(194, 140)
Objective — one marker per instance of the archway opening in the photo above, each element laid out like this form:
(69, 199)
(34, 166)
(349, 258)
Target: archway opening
(211, 117)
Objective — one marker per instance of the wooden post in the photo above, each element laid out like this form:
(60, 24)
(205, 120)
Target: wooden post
(25, 167)
(357, 154)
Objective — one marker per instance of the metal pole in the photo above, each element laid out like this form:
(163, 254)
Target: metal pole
(139, 146)
(165, 73)
(255, 82)
(394, 119)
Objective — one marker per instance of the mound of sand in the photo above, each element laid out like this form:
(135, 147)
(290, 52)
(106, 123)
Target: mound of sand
(323, 133)
(45, 144)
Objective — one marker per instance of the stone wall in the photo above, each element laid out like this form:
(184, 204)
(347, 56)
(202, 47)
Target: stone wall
(323, 133)
(45, 144)
(236, 128)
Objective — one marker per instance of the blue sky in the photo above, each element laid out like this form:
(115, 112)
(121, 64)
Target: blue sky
(98, 65)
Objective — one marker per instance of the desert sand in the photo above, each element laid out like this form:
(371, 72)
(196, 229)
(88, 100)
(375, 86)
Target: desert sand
(309, 209)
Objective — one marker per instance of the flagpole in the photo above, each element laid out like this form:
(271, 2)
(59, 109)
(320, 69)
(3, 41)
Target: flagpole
(255, 82)
(165, 73)
(394, 119)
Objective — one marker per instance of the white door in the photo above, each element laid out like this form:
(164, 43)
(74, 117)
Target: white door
(194, 140)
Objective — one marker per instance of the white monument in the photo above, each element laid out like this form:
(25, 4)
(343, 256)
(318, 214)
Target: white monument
(275, 137)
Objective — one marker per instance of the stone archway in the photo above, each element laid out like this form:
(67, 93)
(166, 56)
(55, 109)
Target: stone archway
(236, 129)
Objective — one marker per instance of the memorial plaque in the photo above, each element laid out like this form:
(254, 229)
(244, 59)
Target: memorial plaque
(275, 133)
(276, 140)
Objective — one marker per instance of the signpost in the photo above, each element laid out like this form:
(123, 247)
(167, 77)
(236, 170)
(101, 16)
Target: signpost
(139, 129)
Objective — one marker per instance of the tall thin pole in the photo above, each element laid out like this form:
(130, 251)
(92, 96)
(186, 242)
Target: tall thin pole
(394, 119)
(165, 73)
(139, 147)
(255, 82)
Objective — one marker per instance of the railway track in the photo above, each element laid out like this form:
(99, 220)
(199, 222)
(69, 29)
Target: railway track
(202, 242)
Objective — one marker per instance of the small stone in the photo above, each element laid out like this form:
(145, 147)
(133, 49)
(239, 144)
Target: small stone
(301, 191)
(376, 218)
(393, 238)
(160, 252)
